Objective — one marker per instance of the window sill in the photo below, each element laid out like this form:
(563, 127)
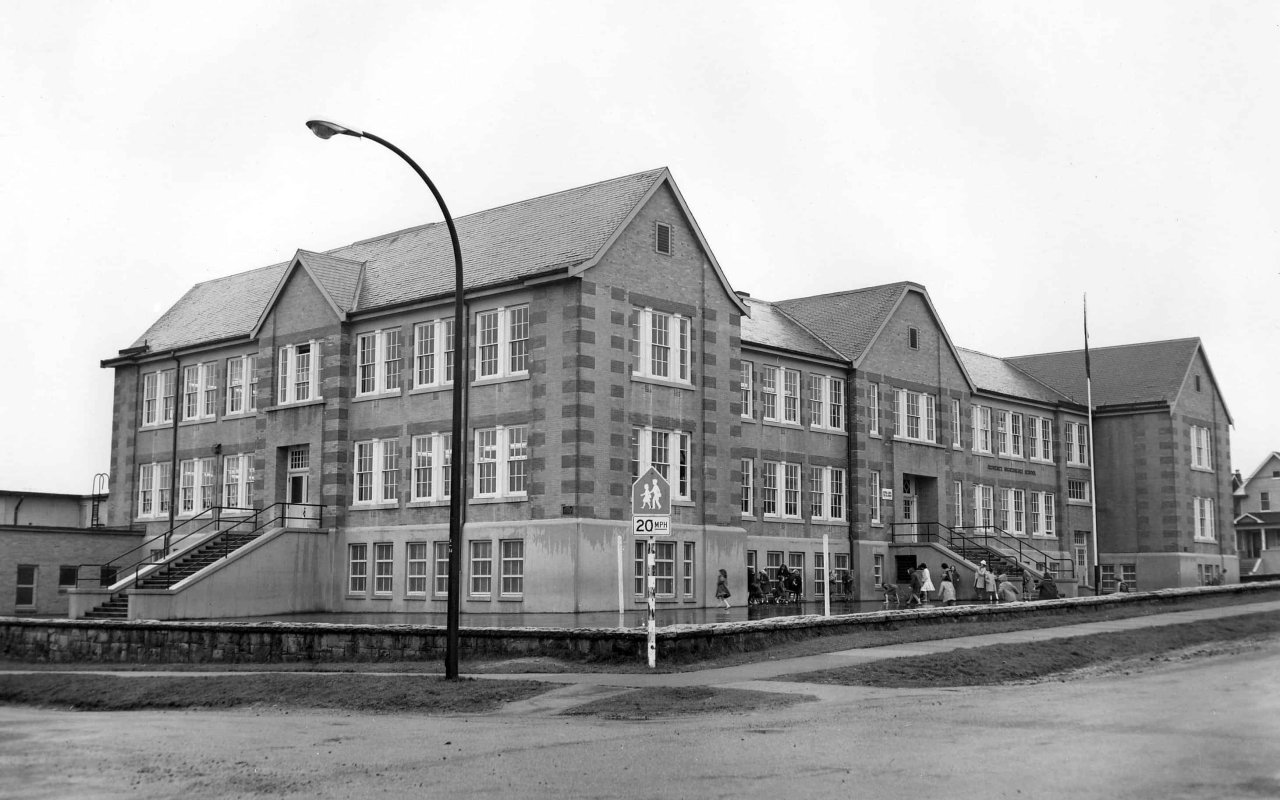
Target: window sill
(388, 395)
(489, 380)
(484, 501)
(829, 522)
(432, 388)
(511, 598)
(773, 518)
(824, 429)
(1071, 502)
(875, 434)
(197, 421)
(1194, 468)
(240, 415)
(372, 506)
(777, 423)
(282, 406)
(656, 381)
(428, 503)
(922, 442)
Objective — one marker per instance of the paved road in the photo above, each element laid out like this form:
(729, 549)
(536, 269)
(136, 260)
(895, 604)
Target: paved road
(1205, 728)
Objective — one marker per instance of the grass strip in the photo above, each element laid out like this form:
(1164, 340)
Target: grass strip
(377, 694)
(1006, 663)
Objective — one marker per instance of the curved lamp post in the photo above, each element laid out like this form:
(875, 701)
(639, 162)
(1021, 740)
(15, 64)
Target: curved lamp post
(457, 471)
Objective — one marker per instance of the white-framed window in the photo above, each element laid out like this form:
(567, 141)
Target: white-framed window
(791, 396)
(957, 509)
(1034, 514)
(440, 579)
(512, 554)
(826, 402)
(432, 456)
(195, 486)
(298, 373)
(378, 362)
(745, 384)
(1077, 434)
(415, 568)
(769, 392)
(1009, 434)
(981, 429)
(664, 569)
(157, 397)
(1201, 448)
(1039, 438)
(983, 506)
(153, 489)
(242, 385)
(686, 569)
(25, 585)
(915, 416)
(957, 425)
(665, 451)
(877, 569)
(748, 467)
(502, 342)
(769, 488)
(873, 500)
(433, 353)
(1204, 518)
(377, 472)
(791, 490)
(1078, 490)
(481, 568)
(383, 568)
(357, 568)
(237, 480)
(1050, 514)
(1018, 499)
(819, 575)
(873, 408)
(664, 346)
(502, 461)
(826, 493)
(200, 391)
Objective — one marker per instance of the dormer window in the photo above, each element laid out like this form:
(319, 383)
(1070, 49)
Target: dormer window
(662, 238)
(913, 338)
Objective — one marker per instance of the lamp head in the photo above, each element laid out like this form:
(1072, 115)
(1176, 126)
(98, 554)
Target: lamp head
(326, 130)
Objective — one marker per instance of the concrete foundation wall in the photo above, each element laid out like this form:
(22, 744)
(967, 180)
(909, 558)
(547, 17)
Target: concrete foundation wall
(275, 574)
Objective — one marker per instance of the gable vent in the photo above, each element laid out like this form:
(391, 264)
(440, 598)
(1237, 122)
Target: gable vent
(662, 238)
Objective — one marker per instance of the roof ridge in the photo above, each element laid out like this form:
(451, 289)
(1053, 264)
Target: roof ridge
(512, 204)
(1109, 347)
(852, 291)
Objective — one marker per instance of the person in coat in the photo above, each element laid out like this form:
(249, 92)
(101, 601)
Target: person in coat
(722, 588)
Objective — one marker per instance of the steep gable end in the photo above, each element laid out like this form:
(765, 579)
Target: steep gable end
(337, 279)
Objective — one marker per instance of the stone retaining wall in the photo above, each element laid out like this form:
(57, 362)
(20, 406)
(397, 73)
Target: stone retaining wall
(184, 642)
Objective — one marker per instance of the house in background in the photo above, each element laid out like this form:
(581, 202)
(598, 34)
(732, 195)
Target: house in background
(296, 418)
(1257, 520)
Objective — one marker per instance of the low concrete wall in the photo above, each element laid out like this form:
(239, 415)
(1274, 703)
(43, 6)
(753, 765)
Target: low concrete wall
(109, 641)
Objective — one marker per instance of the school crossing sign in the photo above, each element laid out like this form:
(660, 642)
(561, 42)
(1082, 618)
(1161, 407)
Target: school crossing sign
(651, 505)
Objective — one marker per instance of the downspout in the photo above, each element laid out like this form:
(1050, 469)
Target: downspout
(850, 428)
(173, 456)
(21, 498)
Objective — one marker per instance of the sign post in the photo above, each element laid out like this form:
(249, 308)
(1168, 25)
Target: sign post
(651, 517)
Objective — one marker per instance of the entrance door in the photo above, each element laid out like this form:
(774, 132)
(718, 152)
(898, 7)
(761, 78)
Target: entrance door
(297, 490)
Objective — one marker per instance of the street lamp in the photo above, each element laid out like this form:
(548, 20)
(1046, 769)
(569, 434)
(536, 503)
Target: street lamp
(457, 469)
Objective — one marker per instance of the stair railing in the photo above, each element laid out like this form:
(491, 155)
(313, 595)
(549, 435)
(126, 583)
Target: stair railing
(989, 539)
(221, 520)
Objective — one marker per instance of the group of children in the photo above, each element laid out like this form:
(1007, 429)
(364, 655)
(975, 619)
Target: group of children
(989, 587)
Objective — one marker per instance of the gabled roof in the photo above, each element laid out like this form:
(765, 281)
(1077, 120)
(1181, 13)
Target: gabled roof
(769, 326)
(1262, 466)
(1267, 518)
(542, 236)
(992, 374)
(847, 321)
(1129, 374)
(850, 322)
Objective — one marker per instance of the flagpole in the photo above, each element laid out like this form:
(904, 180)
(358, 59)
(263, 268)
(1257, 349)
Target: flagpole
(1093, 454)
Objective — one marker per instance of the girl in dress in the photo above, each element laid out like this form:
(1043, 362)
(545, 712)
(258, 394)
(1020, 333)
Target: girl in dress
(722, 588)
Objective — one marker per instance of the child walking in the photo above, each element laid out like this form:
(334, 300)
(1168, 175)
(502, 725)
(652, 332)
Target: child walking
(722, 588)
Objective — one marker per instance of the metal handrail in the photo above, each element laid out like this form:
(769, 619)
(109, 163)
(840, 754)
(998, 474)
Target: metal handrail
(982, 537)
(231, 516)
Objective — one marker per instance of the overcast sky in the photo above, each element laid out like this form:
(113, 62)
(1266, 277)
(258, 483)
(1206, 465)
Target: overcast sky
(1009, 156)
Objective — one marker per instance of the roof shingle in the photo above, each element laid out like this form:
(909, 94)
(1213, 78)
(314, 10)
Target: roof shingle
(847, 321)
(1147, 372)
